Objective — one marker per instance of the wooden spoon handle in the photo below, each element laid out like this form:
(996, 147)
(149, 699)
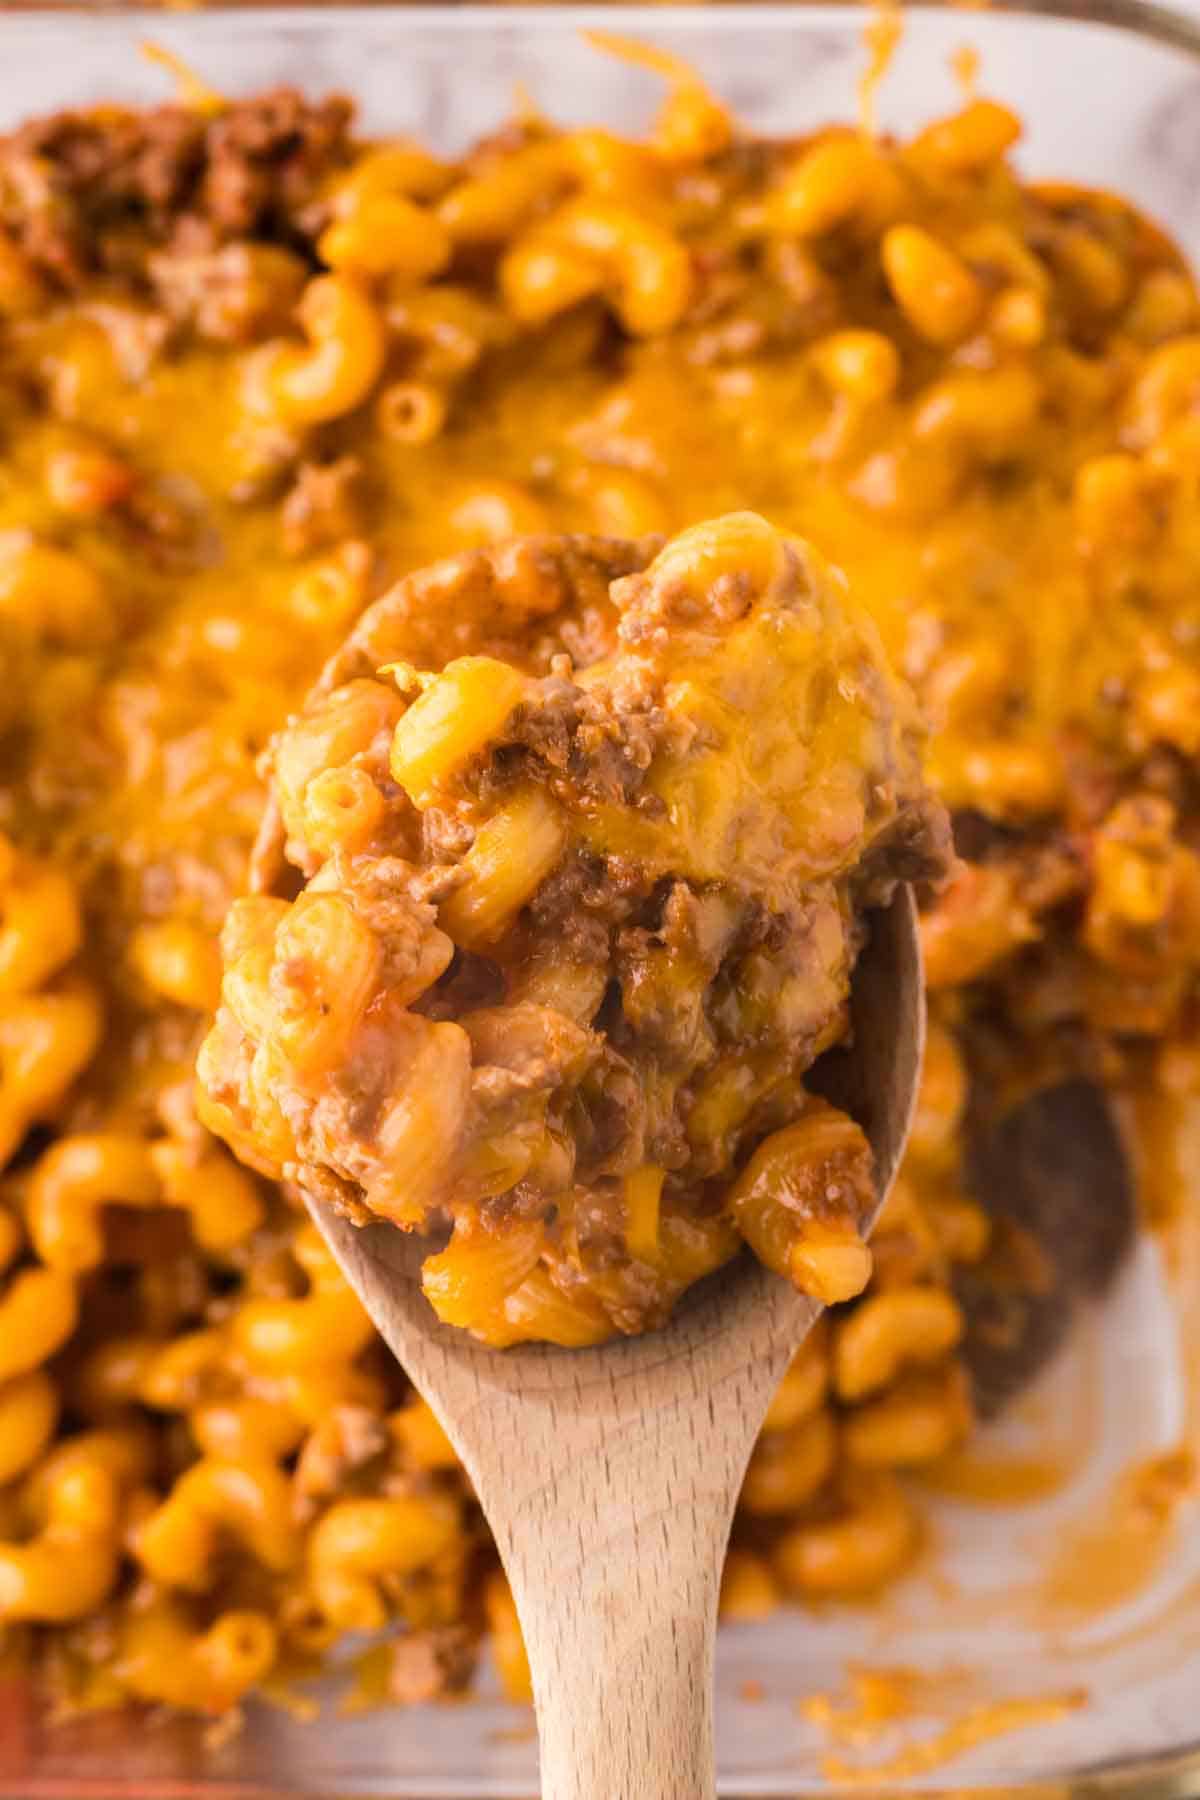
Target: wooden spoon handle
(620, 1630)
(624, 1702)
(612, 1513)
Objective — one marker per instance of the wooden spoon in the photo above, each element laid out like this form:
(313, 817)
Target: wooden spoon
(609, 1476)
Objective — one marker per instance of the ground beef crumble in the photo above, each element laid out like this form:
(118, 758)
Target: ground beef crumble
(429, 1665)
(323, 506)
(345, 1441)
(235, 294)
(595, 747)
(99, 191)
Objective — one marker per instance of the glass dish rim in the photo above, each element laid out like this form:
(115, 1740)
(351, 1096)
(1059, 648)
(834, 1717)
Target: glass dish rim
(1172, 1774)
(1161, 23)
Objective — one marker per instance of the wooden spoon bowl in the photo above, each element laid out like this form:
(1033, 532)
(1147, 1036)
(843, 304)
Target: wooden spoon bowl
(609, 1476)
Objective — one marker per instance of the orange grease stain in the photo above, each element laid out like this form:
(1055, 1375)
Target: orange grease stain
(1104, 1564)
(877, 1698)
(997, 1480)
(977, 1726)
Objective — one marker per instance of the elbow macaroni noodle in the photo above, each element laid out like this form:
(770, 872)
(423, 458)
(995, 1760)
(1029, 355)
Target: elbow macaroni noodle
(208, 1469)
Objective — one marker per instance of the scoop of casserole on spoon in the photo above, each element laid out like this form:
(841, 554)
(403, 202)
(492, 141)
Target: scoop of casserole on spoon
(582, 855)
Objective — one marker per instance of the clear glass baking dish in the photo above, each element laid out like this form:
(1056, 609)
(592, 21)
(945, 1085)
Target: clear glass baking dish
(1108, 1681)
